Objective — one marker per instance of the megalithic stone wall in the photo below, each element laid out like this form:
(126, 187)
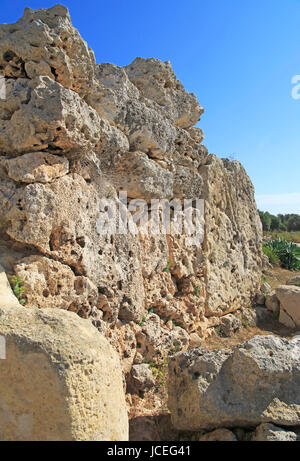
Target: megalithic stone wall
(73, 132)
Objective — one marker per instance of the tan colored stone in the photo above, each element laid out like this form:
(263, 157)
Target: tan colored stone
(44, 42)
(286, 320)
(233, 265)
(157, 81)
(230, 325)
(147, 180)
(117, 128)
(195, 341)
(50, 284)
(61, 380)
(257, 382)
(36, 167)
(294, 281)
(270, 433)
(45, 115)
(219, 435)
(154, 340)
(289, 297)
(272, 303)
(38, 217)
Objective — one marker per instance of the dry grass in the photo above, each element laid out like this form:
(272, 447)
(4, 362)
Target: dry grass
(289, 236)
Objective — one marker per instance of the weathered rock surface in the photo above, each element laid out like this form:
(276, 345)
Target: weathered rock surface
(294, 281)
(230, 325)
(289, 297)
(69, 234)
(258, 382)
(35, 167)
(61, 379)
(155, 340)
(270, 433)
(157, 82)
(41, 114)
(141, 378)
(272, 303)
(219, 435)
(44, 42)
(233, 264)
(50, 284)
(73, 134)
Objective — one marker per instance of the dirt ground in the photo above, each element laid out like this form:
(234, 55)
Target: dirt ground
(278, 276)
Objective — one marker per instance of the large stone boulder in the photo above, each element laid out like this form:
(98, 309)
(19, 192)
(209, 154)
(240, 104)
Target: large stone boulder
(69, 234)
(289, 297)
(157, 82)
(44, 42)
(61, 380)
(230, 325)
(294, 281)
(141, 378)
(270, 433)
(35, 167)
(272, 303)
(233, 264)
(219, 435)
(50, 284)
(41, 114)
(257, 382)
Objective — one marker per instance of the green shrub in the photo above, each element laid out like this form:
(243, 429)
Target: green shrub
(18, 288)
(168, 266)
(198, 290)
(287, 252)
(142, 323)
(272, 255)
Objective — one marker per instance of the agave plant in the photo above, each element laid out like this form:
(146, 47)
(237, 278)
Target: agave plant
(288, 253)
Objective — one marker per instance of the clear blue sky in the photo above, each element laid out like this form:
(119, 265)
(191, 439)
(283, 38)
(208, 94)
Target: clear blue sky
(238, 56)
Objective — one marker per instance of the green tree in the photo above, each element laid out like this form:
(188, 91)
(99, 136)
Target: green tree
(266, 220)
(275, 223)
(293, 223)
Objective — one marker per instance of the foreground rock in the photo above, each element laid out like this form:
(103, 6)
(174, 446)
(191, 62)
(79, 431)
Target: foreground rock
(141, 378)
(289, 297)
(219, 435)
(271, 433)
(294, 281)
(272, 303)
(230, 325)
(61, 379)
(258, 382)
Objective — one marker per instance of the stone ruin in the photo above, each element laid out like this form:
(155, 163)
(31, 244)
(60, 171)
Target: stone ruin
(73, 133)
